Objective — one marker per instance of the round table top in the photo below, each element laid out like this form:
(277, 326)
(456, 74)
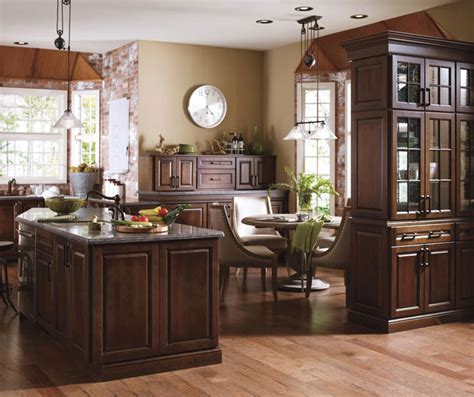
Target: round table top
(285, 221)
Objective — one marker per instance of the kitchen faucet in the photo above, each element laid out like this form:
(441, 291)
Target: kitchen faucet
(11, 182)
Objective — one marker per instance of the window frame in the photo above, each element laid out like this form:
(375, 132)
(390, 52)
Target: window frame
(76, 143)
(61, 135)
(300, 155)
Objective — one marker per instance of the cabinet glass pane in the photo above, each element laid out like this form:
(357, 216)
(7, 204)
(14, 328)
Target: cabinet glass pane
(408, 164)
(439, 83)
(440, 152)
(467, 164)
(408, 82)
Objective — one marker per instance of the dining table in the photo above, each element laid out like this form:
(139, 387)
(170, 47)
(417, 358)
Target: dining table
(286, 224)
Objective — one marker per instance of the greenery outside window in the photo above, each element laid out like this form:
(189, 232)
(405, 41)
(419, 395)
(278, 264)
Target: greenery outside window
(85, 145)
(31, 151)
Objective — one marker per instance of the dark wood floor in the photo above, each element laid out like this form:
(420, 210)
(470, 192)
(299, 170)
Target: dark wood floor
(294, 347)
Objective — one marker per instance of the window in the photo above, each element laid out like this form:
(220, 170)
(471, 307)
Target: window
(85, 146)
(31, 151)
(318, 156)
(348, 139)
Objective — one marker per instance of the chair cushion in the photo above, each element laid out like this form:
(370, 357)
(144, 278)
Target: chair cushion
(260, 251)
(326, 242)
(271, 241)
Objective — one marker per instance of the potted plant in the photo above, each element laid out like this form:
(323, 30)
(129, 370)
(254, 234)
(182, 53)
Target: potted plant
(82, 178)
(306, 186)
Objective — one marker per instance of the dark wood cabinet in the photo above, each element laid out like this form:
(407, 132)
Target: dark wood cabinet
(196, 215)
(44, 290)
(61, 286)
(188, 296)
(174, 173)
(255, 172)
(427, 155)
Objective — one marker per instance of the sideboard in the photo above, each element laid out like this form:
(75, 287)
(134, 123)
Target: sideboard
(200, 180)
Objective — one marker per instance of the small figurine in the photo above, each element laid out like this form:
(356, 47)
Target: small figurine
(166, 149)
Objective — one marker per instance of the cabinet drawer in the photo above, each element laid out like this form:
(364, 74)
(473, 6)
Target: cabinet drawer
(465, 231)
(44, 241)
(217, 162)
(409, 235)
(216, 179)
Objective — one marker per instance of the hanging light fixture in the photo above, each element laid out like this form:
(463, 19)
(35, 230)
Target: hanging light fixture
(314, 129)
(67, 120)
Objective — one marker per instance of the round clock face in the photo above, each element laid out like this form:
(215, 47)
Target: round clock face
(207, 106)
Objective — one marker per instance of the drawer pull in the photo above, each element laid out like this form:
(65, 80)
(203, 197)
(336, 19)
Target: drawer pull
(214, 179)
(408, 236)
(435, 234)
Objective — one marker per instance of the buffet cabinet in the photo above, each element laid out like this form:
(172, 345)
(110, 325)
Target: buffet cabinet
(201, 180)
(412, 181)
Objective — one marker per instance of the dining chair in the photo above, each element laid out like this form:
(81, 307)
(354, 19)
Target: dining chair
(233, 254)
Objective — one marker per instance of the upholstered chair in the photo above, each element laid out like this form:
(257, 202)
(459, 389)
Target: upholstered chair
(233, 254)
(250, 235)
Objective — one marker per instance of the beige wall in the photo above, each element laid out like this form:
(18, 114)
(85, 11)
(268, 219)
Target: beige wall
(456, 18)
(167, 74)
(279, 103)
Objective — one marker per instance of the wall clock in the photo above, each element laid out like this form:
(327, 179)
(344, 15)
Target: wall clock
(207, 106)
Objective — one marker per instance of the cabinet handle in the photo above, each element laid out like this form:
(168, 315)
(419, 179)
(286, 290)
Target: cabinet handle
(177, 181)
(25, 234)
(408, 236)
(428, 92)
(67, 256)
(421, 206)
(421, 258)
(428, 198)
(427, 257)
(172, 181)
(422, 97)
(256, 180)
(435, 234)
(214, 179)
(50, 265)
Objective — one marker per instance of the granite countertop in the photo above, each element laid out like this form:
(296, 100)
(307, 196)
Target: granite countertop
(20, 198)
(80, 232)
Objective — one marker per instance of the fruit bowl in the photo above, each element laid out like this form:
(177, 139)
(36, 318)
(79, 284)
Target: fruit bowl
(64, 205)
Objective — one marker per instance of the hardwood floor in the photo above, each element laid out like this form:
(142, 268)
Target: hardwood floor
(293, 347)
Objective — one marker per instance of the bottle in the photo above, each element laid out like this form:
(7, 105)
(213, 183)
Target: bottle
(235, 143)
(241, 144)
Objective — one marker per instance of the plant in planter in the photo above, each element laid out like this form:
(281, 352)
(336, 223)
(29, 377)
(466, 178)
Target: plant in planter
(82, 178)
(306, 186)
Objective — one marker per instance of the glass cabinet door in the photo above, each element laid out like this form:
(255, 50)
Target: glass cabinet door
(440, 166)
(408, 169)
(465, 125)
(465, 88)
(409, 82)
(440, 89)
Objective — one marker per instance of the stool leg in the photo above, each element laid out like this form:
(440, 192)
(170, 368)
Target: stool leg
(6, 294)
(263, 275)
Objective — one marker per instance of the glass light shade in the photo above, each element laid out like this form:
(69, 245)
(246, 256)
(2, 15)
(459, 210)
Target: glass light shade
(296, 133)
(322, 132)
(68, 121)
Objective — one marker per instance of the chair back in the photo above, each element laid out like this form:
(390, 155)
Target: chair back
(230, 249)
(250, 206)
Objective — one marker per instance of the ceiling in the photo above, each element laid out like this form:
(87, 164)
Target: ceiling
(102, 25)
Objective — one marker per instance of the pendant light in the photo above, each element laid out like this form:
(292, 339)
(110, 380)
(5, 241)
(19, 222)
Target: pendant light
(67, 120)
(315, 129)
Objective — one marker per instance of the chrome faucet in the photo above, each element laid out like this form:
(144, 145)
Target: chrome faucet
(11, 183)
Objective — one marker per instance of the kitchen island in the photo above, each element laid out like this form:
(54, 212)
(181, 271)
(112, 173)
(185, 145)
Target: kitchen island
(128, 304)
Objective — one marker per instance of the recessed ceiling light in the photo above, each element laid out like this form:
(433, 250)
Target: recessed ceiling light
(21, 43)
(264, 21)
(303, 8)
(359, 16)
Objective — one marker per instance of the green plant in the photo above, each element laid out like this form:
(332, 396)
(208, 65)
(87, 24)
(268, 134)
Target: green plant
(305, 185)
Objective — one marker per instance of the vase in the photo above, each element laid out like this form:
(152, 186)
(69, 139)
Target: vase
(256, 147)
(82, 182)
(305, 202)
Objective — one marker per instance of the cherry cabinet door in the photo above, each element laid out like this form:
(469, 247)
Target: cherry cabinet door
(264, 170)
(465, 87)
(185, 173)
(61, 289)
(440, 165)
(407, 281)
(439, 268)
(440, 85)
(44, 290)
(465, 164)
(464, 274)
(408, 81)
(164, 173)
(245, 173)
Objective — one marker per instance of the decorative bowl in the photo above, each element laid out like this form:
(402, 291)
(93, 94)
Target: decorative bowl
(64, 205)
(186, 148)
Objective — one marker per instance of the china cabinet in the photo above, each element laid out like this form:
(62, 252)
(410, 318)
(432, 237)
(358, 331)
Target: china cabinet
(412, 181)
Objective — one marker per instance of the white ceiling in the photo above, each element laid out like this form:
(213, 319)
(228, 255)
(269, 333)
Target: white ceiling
(102, 25)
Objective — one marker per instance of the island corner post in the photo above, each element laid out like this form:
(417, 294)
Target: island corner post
(126, 304)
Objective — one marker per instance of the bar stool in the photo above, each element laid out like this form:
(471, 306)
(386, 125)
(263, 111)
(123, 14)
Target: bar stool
(5, 288)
